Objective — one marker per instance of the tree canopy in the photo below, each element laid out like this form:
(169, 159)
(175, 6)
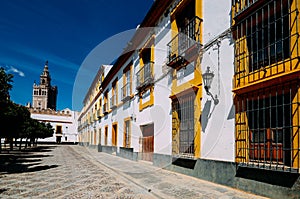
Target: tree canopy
(6, 86)
(15, 120)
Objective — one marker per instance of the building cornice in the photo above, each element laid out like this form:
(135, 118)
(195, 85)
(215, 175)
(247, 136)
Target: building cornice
(158, 8)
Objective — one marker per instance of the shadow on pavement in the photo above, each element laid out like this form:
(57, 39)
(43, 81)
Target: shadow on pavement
(2, 190)
(28, 160)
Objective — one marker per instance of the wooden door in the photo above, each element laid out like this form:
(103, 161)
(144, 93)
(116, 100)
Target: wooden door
(148, 142)
(105, 135)
(114, 135)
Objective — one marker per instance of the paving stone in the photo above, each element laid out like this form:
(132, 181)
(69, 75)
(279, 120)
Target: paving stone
(78, 172)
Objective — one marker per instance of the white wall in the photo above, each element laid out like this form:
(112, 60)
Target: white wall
(217, 136)
(68, 123)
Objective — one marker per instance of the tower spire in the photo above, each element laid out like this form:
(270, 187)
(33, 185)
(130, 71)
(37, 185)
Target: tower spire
(46, 66)
(44, 95)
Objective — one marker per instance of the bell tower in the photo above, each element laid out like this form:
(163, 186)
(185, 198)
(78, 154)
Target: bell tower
(45, 78)
(44, 95)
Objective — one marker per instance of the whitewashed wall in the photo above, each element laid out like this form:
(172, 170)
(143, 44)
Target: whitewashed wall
(161, 111)
(217, 138)
(68, 123)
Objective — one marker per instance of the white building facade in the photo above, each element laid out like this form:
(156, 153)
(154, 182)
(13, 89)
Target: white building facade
(63, 122)
(43, 109)
(153, 103)
(168, 98)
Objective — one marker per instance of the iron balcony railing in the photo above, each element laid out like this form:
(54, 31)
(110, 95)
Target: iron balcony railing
(113, 101)
(95, 117)
(145, 76)
(98, 114)
(125, 91)
(185, 43)
(105, 108)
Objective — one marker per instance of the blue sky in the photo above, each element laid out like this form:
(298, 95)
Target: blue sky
(63, 32)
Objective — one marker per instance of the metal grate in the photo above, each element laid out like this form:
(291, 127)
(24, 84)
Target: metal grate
(126, 90)
(267, 127)
(266, 41)
(188, 37)
(145, 75)
(184, 106)
(113, 101)
(127, 134)
(105, 107)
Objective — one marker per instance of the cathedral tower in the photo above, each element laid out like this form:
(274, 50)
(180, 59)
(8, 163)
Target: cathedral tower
(44, 95)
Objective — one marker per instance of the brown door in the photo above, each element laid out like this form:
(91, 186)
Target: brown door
(148, 142)
(114, 135)
(105, 135)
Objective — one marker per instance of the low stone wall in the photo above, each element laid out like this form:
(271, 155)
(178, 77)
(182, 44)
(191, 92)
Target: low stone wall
(93, 146)
(107, 149)
(83, 143)
(258, 181)
(161, 160)
(128, 153)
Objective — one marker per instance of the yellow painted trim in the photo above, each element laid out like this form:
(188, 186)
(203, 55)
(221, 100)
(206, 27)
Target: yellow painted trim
(128, 67)
(269, 72)
(148, 44)
(181, 5)
(279, 72)
(150, 102)
(106, 135)
(197, 124)
(116, 134)
(295, 130)
(196, 82)
(124, 131)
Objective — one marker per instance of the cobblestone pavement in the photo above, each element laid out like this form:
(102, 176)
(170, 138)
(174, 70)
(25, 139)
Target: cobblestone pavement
(78, 172)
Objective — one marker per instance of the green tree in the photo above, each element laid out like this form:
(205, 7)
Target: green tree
(15, 120)
(6, 85)
(6, 111)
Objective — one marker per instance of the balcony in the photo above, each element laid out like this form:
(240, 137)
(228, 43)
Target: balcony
(145, 76)
(105, 108)
(113, 102)
(185, 46)
(125, 91)
(79, 127)
(95, 117)
(98, 114)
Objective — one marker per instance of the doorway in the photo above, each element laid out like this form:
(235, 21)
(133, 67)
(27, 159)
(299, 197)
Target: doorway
(114, 134)
(105, 135)
(147, 142)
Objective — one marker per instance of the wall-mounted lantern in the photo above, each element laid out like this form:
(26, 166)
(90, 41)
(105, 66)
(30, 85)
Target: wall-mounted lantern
(207, 80)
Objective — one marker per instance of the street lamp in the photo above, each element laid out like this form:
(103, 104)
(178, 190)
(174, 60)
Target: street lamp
(207, 80)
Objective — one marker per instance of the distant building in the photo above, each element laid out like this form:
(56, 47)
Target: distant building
(44, 95)
(64, 123)
(43, 109)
